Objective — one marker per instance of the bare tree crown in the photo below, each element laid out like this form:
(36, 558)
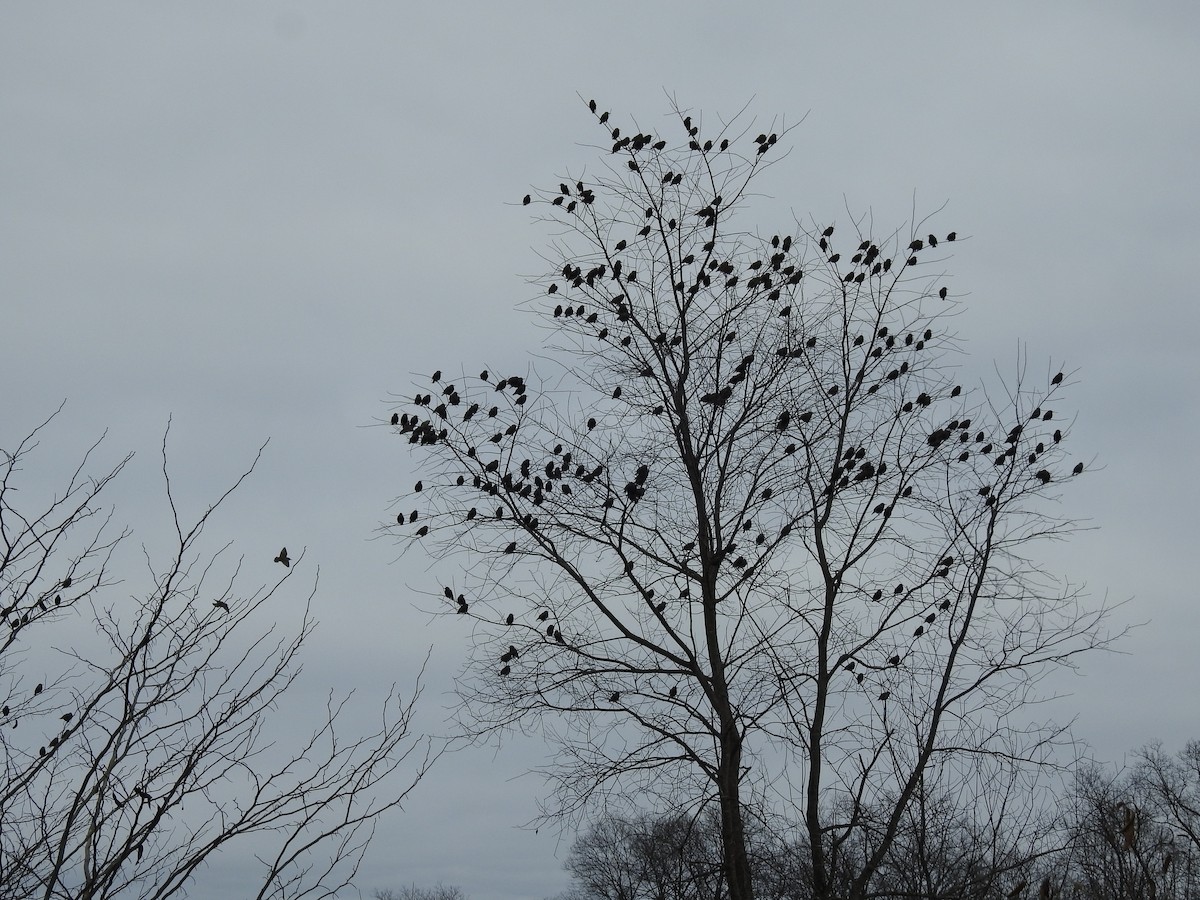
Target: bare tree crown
(753, 511)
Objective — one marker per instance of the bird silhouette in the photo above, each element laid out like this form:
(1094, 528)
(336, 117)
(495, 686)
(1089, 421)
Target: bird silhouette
(543, 615)
(37, 690)
(614, 697)
(1057, 379)
(221, 605)
(508, 619)
(283, 558)
(505, 670)
(885, 695)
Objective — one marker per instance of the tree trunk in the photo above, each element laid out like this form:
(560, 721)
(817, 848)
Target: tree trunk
(733, 829)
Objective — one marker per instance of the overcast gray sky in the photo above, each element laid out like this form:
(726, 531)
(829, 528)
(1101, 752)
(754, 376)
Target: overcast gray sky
(260, 219)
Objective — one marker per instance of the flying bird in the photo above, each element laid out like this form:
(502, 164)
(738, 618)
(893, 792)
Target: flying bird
(283, 558)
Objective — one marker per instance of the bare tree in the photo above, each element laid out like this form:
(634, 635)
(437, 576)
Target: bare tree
(1171, 787)
(980, 846)
(133, 735)
(648, 856)
(1125, 844)
(753, 530)
(412, 892)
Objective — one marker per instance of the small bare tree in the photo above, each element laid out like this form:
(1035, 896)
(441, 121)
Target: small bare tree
(1171, 787)
(754, 533)
(135, 748)
(412, 892)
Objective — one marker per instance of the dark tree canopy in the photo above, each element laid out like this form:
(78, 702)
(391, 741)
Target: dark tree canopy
(754, 534)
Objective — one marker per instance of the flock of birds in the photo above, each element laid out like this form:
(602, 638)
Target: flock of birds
(17, 622)
(612, 308)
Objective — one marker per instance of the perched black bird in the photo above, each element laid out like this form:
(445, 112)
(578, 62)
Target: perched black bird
(37, 690)
(614, 697)
(505, 670)
(673, 693)
(543, 615)
(526, 200)
(1057, 379)
(436, 376)
(283, 558)
(508, 619)
(66, 717)
(885, 695)
(221, 605)
(511, 548)
(952, 235)
(920, 631)
(395, 418)
(894, 660)
(1078, 469)
(67, 582)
